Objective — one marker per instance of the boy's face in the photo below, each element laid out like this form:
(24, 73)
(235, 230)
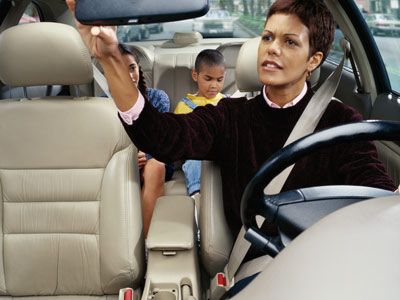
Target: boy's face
(210, 80)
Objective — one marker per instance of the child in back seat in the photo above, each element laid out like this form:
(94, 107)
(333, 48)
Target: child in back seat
(153, 173)
(209, 73)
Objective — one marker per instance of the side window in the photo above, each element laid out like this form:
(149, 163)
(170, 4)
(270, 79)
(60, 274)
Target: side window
(383, 20)
(31, 14)
(336, 52)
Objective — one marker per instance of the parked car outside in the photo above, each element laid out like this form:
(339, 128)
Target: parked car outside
(216, 22)
(128, 33)
(383, 24)
(155, 27)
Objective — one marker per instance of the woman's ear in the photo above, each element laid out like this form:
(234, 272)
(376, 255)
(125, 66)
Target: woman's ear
(314, 61)
(194, 75)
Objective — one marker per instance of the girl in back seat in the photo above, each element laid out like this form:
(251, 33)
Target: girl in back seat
(153, 173)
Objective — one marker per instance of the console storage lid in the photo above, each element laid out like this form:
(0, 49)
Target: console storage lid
(172, 225)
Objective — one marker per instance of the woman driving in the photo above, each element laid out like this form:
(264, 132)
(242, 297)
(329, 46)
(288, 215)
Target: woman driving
(241, 134)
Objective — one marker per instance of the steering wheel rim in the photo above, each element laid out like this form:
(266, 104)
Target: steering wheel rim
(253, 196)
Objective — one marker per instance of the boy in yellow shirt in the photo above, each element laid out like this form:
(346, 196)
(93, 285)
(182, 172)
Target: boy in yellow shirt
(209, 73)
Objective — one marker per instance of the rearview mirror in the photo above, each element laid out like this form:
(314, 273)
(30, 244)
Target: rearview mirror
(120, 12)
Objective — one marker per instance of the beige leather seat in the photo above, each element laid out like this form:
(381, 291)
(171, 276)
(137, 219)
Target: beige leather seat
(71, 221)
(216, 238)
(230, 52)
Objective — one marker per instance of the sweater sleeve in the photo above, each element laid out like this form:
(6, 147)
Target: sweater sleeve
(358, 163)
(169, 137)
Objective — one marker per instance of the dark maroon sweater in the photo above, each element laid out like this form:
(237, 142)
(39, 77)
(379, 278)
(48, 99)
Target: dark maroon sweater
(241, 134)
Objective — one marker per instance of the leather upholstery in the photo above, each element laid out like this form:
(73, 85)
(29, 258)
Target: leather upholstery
(216, 238)
(246, 67)
(69, 189)
(171, 73)
(52, 58)
(230, 52)
(169, 230)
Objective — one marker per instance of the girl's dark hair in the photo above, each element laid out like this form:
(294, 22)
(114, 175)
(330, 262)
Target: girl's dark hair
(142, 86)
(315, 16)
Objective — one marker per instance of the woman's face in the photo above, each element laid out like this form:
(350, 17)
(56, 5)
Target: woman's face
(283, 53)
(133, 67)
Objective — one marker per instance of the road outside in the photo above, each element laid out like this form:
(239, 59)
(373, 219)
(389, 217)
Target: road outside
(388, 47)
(187, 26)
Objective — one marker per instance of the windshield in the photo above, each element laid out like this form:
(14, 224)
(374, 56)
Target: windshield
(226, 18)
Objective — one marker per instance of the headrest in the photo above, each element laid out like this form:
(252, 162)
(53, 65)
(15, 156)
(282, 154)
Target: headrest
(187, 38)
(246, 68)
(43, 54)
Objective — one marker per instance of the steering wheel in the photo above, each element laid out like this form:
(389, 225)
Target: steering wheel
(254, 202)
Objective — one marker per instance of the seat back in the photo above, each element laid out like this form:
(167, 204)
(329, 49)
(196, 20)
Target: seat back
(230, 51)
(172, 73)
(216, 238)
(69, 189)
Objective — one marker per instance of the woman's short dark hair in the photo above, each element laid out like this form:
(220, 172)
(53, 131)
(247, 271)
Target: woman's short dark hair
(315, 16)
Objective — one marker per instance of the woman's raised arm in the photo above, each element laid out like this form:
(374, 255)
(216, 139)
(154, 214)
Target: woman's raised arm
(102, 43)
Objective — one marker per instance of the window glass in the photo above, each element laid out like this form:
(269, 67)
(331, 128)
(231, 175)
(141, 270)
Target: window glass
(336, 53)
(245, 19)
(383, 19)
(226, 18)
(31, 15)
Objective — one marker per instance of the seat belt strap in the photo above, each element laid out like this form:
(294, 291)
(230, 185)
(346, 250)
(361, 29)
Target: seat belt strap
(101, 80)
(309, 120)
(306, 124)
(189, 103)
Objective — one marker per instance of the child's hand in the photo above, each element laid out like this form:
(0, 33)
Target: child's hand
(101, 40)
(142, 160)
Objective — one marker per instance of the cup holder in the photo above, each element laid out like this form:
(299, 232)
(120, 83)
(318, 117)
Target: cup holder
(164, 295)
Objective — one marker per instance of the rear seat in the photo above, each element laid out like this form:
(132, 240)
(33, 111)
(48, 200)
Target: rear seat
(166, 69)
(7, 91)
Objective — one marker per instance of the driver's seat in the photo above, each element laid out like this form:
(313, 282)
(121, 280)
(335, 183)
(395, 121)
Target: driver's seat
(70, 222)
(216, 238)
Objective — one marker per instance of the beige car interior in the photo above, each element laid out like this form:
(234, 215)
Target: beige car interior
(70, 195)
(71, 211)
(92, 223)
(328, 260)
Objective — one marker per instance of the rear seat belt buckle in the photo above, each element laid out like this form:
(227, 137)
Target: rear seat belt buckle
(126, 294)
(221, 279)
(229, 282)
(219, 286)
